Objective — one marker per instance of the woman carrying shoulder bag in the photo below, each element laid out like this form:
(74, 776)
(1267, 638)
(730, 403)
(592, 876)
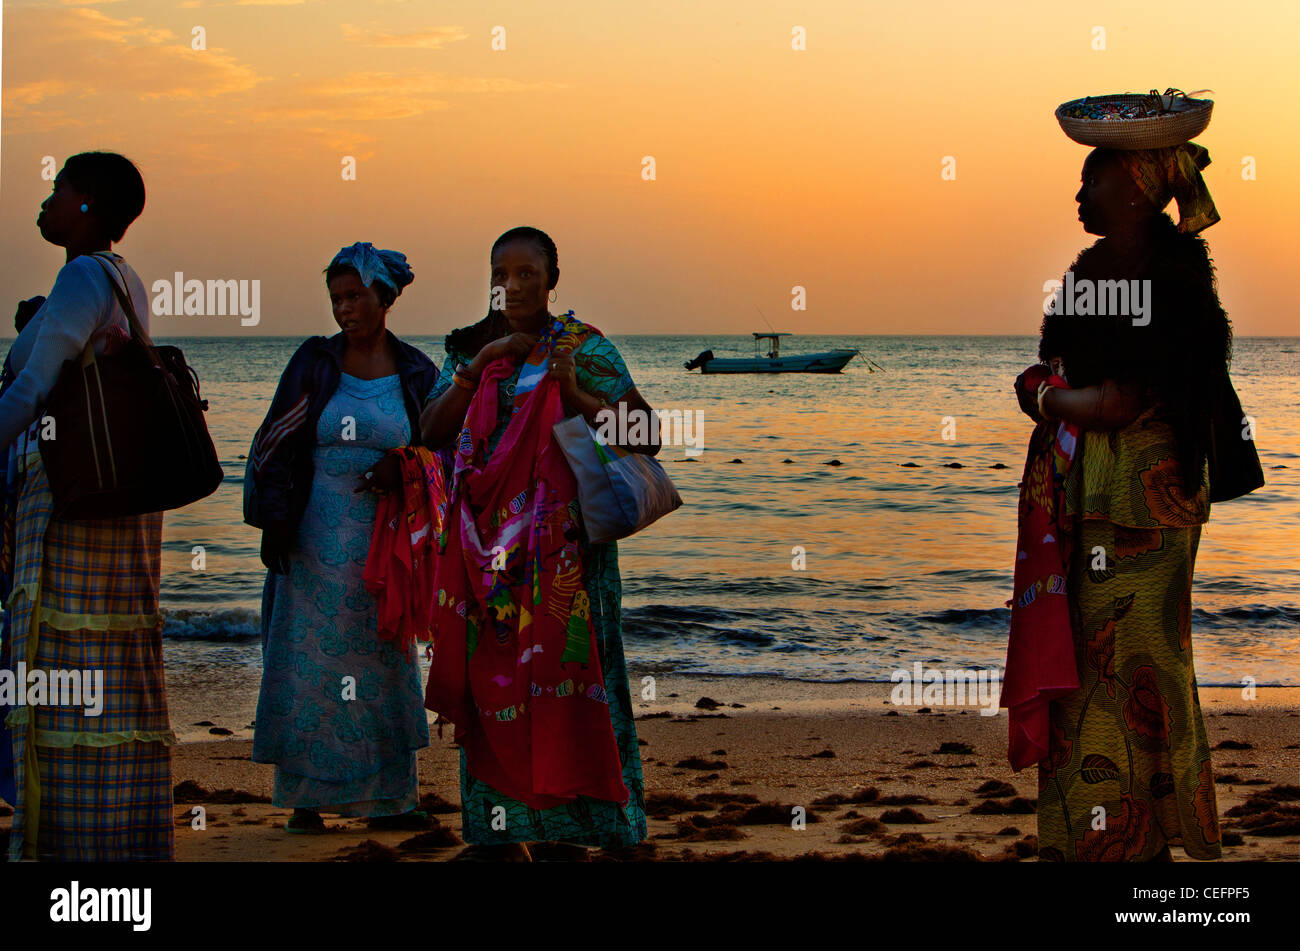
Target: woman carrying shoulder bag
(528, 653)
(92, 774)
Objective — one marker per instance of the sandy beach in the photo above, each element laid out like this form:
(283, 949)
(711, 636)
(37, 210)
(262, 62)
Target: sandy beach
(723, 782)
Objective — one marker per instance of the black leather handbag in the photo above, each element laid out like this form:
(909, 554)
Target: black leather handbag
(128, 433)
(1233, 459)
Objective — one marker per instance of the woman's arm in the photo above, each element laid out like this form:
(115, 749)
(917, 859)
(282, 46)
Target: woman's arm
(641, 434)
(606, 368)
(641, 419)
(76, 308)
(1101, 408)
(271, 457)
(1026, 387)
(442, 417)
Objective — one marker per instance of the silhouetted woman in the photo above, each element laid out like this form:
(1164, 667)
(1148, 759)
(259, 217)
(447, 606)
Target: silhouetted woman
(82, 595)
(1144, 389)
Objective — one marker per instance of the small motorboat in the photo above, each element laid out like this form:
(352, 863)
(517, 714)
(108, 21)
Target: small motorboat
(828, 361)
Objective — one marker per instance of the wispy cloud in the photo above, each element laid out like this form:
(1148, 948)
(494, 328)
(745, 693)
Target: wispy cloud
(434, 38)
(28, 94)
(108, 66)
(97, 25)
(103, 55)
(379, 95)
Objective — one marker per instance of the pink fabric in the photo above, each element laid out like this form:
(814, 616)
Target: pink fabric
(400, 564)
(1040, 650)
(515, 661)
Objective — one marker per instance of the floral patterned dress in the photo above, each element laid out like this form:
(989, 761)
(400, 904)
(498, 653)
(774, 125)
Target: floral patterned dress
(1129, 768)
(341, 713)
(490, 817)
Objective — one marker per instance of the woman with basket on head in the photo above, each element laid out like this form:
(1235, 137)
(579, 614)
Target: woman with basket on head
(1135, 407)
(340, 712)
(528, 649)
(82, 593)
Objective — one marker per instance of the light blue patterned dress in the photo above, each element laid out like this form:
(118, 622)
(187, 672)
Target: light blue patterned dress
(354, 757)
(600, 370)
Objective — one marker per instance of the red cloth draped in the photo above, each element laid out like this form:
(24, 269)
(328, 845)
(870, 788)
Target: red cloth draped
(1040, 650)
(515, 663)
(400, 564)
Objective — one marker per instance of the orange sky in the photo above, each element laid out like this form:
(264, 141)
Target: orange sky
(775, 167)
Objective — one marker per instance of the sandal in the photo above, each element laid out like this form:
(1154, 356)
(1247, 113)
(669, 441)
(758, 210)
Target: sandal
(305, 822)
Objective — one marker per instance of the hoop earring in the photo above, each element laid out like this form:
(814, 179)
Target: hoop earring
(554, 296)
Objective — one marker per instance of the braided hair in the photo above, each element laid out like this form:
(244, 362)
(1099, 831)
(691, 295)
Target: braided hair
(468, 341)
(543, 241)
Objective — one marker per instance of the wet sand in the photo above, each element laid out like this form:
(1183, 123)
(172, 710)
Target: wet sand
(726, 782)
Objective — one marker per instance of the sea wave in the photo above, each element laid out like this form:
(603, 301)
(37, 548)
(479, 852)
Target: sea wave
(758, 627)
(222, 624)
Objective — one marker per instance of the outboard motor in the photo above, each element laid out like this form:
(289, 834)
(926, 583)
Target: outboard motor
(699, 361)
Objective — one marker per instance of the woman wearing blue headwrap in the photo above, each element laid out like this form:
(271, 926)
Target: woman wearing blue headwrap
(341, 713)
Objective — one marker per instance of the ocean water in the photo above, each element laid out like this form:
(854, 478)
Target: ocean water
(900, 563)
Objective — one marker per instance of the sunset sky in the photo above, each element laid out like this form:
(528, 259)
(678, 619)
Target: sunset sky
(774, 167)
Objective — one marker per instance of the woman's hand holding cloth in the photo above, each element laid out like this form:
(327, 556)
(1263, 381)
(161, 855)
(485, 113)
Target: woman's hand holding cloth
(515, 664)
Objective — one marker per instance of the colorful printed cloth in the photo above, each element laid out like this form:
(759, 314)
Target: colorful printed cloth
(1131, 739)
(594, 822)
(1174, 173)
(85, 598)
(515, 664)
(340, 712)
(399, 567)
(373, 264)
(1040, 650)
(1131, 477)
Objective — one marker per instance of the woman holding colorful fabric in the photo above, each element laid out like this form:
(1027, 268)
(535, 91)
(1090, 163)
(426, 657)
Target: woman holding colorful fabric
(340, 712)
(1146, 390)
(82, 595)
(528, 650)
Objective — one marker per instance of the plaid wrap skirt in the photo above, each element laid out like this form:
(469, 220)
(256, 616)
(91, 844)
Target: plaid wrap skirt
(85, 599)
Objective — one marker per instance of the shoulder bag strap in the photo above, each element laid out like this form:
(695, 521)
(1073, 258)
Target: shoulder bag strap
(124, 300)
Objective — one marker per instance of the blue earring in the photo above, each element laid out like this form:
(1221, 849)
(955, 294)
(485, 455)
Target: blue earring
(84, 208)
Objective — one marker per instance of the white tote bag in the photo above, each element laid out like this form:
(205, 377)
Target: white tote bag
(620, 492)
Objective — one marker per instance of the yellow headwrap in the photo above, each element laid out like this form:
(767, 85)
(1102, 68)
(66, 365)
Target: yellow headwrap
(1174, 173)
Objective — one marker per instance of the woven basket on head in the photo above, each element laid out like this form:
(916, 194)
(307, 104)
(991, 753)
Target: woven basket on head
(1178, 119)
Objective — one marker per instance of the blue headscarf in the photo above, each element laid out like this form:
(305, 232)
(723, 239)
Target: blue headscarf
(371, 263)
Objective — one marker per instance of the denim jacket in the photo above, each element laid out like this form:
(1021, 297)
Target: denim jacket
(278, 476)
